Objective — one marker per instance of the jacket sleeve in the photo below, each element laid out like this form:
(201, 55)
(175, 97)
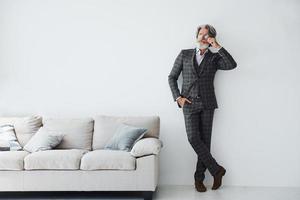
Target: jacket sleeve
(174, 74)
(225, 60)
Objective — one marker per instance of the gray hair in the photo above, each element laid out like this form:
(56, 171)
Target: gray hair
(211, 30)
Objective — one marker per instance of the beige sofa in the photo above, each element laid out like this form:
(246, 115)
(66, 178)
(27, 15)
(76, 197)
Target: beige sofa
(80, 162)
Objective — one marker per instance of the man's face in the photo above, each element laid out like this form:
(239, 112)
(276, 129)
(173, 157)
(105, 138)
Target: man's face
(202, 36)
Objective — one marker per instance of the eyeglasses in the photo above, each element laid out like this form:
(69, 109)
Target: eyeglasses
(206, 36)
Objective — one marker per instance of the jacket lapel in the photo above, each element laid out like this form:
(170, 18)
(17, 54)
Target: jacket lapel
(192, 61)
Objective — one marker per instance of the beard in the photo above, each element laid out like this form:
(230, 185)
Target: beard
(201, 45)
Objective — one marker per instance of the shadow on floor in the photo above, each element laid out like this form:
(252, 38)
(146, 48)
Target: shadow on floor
(73, 195)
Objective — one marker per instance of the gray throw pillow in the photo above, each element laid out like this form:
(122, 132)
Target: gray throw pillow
(125, 137)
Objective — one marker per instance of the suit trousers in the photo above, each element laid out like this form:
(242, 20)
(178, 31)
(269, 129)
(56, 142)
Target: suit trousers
(199, 128)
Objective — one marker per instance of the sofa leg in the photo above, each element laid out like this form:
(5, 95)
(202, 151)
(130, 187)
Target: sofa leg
(147, 195)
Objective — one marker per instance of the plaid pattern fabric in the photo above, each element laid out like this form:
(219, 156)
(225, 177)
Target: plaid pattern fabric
(194, 107)
(199, 83)
(8, 139)
(198, 115)
(198, 128)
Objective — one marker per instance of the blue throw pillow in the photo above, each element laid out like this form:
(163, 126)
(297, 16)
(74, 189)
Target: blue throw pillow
(125, 137)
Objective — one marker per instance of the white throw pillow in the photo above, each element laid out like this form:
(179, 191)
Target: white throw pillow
(146, 146)
(43, 140)
(8, 139)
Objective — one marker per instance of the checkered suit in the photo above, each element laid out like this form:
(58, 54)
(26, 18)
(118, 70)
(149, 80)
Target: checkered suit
(198, 116)
(199, 83)
(199, 128)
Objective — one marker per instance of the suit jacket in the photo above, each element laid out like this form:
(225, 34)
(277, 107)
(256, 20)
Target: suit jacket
(199, 83)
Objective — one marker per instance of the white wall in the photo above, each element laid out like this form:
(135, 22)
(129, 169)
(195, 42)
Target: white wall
(83, 58)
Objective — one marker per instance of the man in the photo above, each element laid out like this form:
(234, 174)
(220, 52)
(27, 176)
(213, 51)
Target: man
(197, 98)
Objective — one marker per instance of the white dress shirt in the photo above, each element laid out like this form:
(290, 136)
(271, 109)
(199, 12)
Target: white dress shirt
(200, 57)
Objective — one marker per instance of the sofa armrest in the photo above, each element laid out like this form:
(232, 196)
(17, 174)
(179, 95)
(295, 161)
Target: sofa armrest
(146, 146)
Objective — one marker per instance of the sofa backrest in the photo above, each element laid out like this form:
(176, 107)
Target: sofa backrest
(78, 131)
(25, 127)
(105, 126)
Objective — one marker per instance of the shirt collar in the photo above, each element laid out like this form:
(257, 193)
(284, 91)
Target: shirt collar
(197, 50)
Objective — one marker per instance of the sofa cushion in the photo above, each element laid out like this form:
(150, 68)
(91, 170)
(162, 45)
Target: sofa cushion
(54, 159)
(12, 160)
(105, 127)
(78, 132)
(25, 127)
(107, 159)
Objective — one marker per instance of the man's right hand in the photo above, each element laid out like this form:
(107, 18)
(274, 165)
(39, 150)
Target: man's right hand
(182, 100)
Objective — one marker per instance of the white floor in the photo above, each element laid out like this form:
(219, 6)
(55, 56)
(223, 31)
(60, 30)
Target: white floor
(227, 193)
(167, 192)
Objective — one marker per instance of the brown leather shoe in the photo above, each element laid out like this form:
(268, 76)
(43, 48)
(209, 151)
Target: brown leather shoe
(200, 187)
(218, 178)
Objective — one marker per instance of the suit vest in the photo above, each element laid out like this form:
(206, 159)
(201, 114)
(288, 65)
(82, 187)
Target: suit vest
(198, 70)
